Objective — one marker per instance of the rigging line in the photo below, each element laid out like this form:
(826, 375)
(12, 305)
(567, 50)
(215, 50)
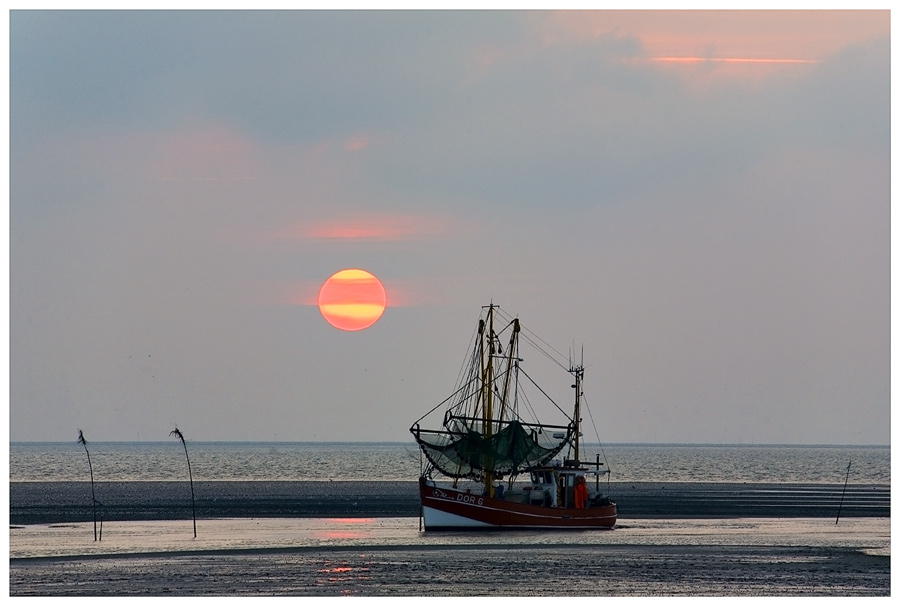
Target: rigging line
(473, 374)
(474, 380)
(509, 318)
(445, 400)
(530, 408)
(591, 415)
(503, 315)
(469, 360)
(545, 343)
(509, 323)
(543, 351)
(597, 433)
(545, 394)
(524, 331)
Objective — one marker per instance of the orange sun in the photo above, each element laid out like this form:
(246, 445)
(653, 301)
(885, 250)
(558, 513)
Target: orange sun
(352, 299)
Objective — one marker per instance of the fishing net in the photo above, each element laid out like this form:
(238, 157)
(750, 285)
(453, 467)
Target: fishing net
(463, 452)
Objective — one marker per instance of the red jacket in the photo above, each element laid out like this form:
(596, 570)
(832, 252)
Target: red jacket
(581, 495)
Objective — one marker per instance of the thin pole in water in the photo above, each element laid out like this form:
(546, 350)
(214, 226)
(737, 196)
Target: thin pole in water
(180, 436)
(421, 475)
(843, 493)
(83, 442)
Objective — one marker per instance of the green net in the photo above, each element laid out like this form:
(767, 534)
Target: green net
(512, 449)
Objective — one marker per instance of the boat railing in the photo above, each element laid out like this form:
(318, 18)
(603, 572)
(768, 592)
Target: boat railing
(500, 423)
(586, 465)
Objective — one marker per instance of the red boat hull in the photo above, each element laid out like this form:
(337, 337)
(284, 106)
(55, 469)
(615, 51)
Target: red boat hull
(450, 509)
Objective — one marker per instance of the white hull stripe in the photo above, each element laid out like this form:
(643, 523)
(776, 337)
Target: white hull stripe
(436, 518)
(536, 516)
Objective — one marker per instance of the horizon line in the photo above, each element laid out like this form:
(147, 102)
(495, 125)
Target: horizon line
(602, 444)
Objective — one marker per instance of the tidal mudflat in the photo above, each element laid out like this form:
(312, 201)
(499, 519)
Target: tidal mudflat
(390, 556)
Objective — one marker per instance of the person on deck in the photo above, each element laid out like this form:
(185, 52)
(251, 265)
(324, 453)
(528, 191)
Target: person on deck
(581, 493)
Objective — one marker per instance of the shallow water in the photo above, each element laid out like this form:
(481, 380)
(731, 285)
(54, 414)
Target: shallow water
(869, 535)
(220, 461)
(389, 556)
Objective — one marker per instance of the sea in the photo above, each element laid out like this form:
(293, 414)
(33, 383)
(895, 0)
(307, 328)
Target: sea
(341, 519)
(400, 461)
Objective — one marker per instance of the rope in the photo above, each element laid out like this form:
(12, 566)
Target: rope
(597, 433)
(525, 332)
(445, 400)
(546, 395)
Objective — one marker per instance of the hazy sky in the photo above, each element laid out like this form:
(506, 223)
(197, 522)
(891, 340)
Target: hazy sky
(701, 200)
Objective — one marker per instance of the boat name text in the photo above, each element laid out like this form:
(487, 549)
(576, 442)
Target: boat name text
(460, 496)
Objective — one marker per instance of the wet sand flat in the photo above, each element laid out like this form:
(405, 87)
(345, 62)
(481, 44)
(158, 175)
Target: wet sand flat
(615, 571)
(389, 556)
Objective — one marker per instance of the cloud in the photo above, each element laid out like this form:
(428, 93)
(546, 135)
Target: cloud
(185, 182)
(798, 34)
(371, 227)
(210, 154)
(577, 126)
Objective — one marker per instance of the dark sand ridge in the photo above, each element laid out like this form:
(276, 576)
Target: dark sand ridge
(59, 502)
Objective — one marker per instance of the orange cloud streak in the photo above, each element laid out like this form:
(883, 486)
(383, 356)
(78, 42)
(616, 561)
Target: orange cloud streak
(386, 228)
(801, 34)
(729, 60)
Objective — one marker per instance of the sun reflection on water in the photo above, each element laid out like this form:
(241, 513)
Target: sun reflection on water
(360, 528)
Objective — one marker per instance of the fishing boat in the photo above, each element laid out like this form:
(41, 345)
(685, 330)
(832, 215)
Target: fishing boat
(485, 443)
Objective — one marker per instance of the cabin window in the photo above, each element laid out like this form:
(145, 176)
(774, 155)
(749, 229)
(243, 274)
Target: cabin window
(542, 477)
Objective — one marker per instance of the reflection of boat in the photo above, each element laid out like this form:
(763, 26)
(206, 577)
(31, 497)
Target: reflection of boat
(485, 439)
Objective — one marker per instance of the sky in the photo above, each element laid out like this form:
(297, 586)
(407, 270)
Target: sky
(698, 200)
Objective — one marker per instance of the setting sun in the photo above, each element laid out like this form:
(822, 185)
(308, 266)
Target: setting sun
(352, 299)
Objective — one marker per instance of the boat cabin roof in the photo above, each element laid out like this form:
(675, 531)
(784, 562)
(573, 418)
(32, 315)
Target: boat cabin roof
(578, 471)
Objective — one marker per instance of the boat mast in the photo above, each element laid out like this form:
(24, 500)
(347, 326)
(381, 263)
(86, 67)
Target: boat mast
(578, 371)
(487, 385)
(511, 362)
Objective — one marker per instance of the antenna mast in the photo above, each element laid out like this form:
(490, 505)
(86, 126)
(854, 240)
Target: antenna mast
(578, 371)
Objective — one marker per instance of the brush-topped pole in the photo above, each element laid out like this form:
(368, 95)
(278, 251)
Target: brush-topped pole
(83, 442)
(190, 476)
